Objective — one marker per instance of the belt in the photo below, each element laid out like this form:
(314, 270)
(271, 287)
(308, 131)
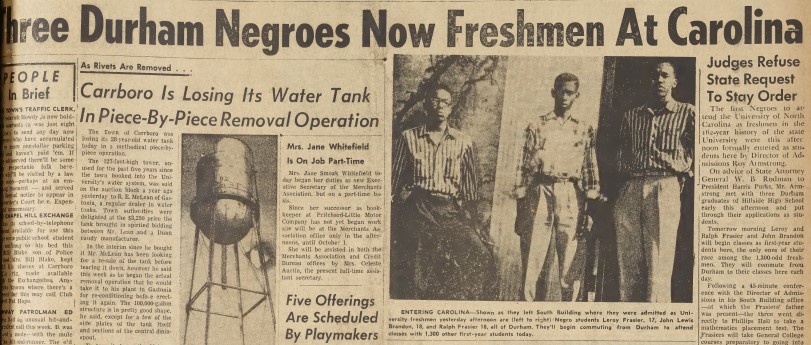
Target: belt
(420, 191)
(556, 179)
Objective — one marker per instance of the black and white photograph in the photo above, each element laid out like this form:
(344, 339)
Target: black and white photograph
(543, 178)
(646, 148)
(446, 120)
(228, 256)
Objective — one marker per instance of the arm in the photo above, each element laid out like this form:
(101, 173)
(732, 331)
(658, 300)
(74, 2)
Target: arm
(524, 175)
(401, 166)
(469, 194)
(623, 137)
(590, 176)
(468, 184)
(688, 140)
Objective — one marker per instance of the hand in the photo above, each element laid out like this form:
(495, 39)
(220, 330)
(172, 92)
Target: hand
(402, 196)
(483, 230)
(592, 194)
(519, 193)
(684, 179)
(584, 226)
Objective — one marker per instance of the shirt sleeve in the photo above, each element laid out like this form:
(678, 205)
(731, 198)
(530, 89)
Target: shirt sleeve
(623, 139)
(468, 187)
(590, 176)
(688, 138)
(401, 164)
(523, 173)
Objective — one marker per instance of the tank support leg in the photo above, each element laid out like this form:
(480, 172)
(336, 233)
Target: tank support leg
(239, 291)
(267, 280)
(208, 285)
(191, 284)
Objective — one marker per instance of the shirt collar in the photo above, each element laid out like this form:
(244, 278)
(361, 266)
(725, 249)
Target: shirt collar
(551, 116)
(670, 106)
(452, 133)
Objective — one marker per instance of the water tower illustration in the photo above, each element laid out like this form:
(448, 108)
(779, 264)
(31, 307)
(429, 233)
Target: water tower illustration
(226, 212)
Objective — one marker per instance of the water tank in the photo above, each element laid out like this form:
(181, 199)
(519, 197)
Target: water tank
(225, 207)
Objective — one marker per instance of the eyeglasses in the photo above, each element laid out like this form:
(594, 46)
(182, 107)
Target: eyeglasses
(439, 101)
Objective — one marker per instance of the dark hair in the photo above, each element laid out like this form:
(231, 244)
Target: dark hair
(668, 62)
(565, 78)
(431, 89)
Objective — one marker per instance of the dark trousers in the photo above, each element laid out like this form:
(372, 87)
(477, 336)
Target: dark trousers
(437, 254)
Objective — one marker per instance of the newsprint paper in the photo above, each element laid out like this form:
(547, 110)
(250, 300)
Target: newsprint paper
(404, 172)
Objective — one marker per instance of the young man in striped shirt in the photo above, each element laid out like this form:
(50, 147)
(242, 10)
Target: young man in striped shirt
(434, 185)
(655, 154)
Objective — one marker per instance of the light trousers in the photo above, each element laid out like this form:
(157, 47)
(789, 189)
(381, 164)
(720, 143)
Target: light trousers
(646, 217)
(553, 241)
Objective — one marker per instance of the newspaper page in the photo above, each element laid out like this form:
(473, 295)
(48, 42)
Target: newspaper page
(332, 172)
